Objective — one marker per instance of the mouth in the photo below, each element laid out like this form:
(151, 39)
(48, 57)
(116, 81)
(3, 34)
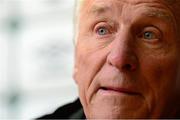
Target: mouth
(118, 90)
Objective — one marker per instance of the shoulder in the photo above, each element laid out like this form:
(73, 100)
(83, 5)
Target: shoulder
(72, 110)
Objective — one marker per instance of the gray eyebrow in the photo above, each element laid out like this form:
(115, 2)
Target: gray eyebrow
(97, 9)
(171, 1)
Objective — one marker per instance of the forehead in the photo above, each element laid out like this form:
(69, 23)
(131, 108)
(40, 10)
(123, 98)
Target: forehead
(172, 4)
(153, 8)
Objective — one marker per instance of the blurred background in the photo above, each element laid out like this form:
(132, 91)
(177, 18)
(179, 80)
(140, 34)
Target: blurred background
(36, 57)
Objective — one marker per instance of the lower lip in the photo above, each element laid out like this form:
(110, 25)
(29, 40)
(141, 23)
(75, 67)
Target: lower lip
(115, 92)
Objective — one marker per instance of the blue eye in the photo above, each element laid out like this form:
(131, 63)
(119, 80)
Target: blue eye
(102, 31)
(149, 35)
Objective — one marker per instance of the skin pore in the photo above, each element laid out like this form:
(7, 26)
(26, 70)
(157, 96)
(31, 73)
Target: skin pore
(127, 58)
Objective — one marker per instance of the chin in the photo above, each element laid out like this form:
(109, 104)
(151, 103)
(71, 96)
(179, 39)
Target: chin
(109, 115)
(114, 111)
(116, 115)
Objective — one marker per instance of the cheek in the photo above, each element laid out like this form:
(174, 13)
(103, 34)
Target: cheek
(88, 63)
(160, 75)
(82, 76)
(88, 60)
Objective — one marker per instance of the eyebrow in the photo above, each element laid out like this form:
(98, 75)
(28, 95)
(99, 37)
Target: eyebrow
(171, 1)
(97, 10)
(158, 14)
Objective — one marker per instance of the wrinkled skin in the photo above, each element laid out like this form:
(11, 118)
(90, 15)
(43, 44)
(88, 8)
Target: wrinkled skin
(127, 59)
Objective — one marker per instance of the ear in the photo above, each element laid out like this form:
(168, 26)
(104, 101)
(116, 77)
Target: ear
(75, 71)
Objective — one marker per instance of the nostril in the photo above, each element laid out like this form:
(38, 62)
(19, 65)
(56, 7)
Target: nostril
(128, 67)
(123, 60)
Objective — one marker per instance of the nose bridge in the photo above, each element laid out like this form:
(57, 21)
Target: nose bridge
(122, 53)
(123, 42)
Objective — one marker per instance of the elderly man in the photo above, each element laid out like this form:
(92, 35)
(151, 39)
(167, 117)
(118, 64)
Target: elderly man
(127, 60)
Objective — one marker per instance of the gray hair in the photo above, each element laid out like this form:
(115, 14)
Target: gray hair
(78, 4)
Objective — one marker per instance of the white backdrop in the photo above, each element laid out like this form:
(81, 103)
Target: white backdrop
(36, 57)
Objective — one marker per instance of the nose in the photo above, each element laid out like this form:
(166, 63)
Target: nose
(122, 54)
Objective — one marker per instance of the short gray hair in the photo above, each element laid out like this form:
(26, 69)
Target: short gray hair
(78, 4)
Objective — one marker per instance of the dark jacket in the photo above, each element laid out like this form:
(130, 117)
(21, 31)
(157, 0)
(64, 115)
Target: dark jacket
(72, 110)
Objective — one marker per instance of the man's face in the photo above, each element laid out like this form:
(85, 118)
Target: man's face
(127, 59)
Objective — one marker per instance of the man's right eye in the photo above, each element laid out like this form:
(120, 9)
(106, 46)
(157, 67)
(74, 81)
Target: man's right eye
(102, 31)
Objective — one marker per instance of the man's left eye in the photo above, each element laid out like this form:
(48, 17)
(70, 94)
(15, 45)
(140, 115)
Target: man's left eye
(149, 35)
(102, 31)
